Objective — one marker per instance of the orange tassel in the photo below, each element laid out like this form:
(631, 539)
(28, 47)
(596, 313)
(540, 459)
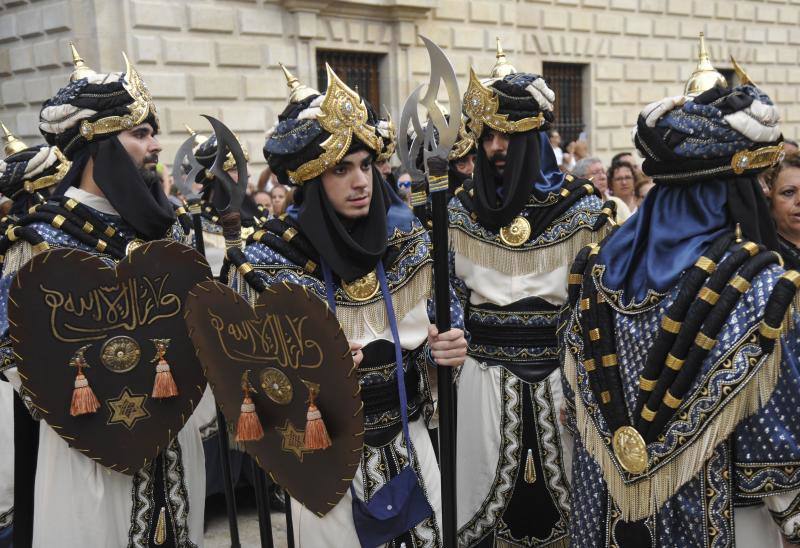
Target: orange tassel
(316, 434)
(164, 385)
(248, 427)
(83, 399)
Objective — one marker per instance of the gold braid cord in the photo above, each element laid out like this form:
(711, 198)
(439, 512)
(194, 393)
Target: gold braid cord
(343, 115)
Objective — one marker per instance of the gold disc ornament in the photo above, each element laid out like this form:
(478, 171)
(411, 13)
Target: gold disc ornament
(120, 354)
(516, 233)
(630, 449)
(362, 289)
(276, 385)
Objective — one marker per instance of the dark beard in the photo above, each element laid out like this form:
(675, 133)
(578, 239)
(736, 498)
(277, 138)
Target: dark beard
(498, 173)
(150, 176)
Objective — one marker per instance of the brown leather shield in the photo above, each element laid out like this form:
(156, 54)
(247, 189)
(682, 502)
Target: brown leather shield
(68, 306)
(289, 342)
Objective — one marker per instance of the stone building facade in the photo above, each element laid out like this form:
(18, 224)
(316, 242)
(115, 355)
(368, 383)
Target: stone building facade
(220, 57)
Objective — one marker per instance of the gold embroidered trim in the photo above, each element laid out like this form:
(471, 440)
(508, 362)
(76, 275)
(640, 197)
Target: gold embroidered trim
(481, 105)
(757, 159)
(343, 115)
(647, 414)
(139, 110)
(589, 365)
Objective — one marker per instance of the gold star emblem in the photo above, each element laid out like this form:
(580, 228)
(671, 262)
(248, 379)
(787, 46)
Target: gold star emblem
(293, 440)
(127, 408)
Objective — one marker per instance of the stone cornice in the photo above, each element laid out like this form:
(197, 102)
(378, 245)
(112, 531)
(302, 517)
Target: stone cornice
(385, 10)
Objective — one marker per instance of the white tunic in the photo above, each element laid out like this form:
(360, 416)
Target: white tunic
(481, 396)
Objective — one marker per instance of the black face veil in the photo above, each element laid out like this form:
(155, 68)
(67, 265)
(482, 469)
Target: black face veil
(143, 206)
(497, 207)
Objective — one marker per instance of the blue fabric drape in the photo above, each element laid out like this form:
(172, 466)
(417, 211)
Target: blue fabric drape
(668, 233)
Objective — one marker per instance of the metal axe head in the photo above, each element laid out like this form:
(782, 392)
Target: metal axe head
(442, 71)
(184, 181)
(227, 142)
(410, 119)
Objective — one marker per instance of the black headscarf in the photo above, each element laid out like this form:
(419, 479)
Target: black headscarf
(350, 249)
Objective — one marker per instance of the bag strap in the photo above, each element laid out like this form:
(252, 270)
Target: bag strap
(398, 353)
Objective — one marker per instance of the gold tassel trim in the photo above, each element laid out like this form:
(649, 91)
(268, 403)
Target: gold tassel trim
(645, 497)
(355, 319)
(514, 262)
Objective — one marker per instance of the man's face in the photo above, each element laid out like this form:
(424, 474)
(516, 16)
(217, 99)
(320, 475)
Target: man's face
(466, 165)
(495, 145)
(555, 139)
(384, 167)
(141, 144)
(348, 185)
(598, 176)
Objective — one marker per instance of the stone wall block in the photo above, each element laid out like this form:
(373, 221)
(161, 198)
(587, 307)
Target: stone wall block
(483, 12)
(157, 15)
(608, 23)
(29, 23)
(57, 17)
(37, 90)
(210, 18)
(580, 21)
(216, 87)
(244, 118)
(166, 85)
(22, 59)
(264, 21)
(8, 28)
(238, 54)
(182, 51)
(46, 54)
(12, 93)
(177, 116)
(638, 26)
(147, 48)
(554, 19)
(679, 7)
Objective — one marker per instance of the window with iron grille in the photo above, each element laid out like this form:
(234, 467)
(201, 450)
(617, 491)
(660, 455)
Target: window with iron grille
(357, 69)
(566, 80)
